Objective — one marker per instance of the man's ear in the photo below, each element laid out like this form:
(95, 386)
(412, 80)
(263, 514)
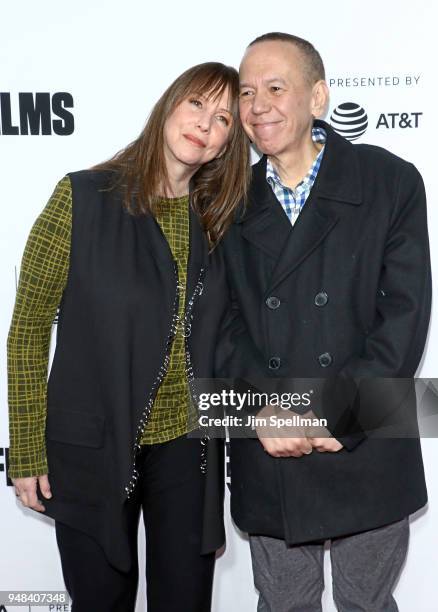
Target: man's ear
(320, 99)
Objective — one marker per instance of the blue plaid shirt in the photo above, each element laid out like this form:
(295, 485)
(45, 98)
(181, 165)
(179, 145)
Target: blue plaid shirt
(293, 200)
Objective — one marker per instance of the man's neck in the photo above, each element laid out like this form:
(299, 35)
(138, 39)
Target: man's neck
(293, 165)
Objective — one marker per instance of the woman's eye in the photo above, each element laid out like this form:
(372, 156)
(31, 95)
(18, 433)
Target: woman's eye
(196, 102)
(223, 119)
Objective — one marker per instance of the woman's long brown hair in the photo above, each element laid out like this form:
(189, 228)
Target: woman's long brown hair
(218, 186)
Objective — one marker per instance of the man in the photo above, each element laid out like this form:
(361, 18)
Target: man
(329, 269)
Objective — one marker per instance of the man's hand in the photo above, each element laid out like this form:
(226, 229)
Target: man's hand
(26, 491)
(320, 438)
(287, 441)
(290, 441)
(326, 445)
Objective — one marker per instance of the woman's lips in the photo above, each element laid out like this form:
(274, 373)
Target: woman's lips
(194, 140)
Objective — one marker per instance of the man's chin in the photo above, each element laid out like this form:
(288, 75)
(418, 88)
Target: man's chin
(266, 148)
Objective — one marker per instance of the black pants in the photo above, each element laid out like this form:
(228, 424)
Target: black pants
(178, 578)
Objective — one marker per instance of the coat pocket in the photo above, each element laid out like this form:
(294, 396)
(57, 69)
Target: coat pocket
(74, 427)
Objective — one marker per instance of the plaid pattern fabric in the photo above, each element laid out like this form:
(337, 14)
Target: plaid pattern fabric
(293, 200)
(43, 277)
(169, 417)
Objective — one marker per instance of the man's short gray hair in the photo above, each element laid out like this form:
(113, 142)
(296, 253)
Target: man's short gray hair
(313, 67)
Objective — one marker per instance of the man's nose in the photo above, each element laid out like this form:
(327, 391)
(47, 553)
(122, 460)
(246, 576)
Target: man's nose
(260, 103)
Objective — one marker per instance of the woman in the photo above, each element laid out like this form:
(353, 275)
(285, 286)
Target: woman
(124, 251)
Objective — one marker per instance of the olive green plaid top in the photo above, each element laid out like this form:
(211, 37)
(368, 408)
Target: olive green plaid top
(43, 277)
(169, 417)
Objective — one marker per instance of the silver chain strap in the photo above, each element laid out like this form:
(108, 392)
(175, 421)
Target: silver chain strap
(184, 326)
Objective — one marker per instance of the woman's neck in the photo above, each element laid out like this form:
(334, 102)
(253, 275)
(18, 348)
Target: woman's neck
(179, 176)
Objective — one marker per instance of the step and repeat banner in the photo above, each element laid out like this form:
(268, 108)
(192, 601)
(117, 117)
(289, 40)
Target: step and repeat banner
(77, 81)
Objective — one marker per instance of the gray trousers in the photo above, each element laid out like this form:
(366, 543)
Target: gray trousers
(365, 568)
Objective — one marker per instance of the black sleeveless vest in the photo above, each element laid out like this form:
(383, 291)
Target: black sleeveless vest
(116, 324)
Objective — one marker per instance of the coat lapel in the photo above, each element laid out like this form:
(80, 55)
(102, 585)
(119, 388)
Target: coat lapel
(155, 242)
(198, 256)
(266, 226)
(264, 223)
(309, 231)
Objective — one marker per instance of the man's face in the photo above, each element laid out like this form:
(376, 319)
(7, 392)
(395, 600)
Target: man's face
(276, 101)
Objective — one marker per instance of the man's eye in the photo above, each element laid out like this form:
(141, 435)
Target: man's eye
(275, 88)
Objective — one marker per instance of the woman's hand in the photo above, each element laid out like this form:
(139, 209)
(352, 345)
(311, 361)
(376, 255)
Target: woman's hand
(26, 491)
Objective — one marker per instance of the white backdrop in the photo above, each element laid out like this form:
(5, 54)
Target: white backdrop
(115, 59)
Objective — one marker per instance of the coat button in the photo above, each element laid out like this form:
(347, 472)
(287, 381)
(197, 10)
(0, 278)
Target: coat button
(321, 299)
(325, 360)
(274, 363)
(273, 302)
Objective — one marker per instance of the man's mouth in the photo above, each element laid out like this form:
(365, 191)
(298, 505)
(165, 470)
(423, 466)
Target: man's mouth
(265, 125)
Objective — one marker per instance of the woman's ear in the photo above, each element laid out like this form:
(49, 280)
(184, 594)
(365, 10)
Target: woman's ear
(224, 150)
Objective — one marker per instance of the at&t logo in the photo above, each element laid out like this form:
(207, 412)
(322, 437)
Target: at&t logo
(349, 120)
(401, 120)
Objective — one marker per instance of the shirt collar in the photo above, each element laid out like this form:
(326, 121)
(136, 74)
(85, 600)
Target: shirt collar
(319, 135)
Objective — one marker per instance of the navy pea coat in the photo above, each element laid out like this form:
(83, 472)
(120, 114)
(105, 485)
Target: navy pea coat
(344, 293)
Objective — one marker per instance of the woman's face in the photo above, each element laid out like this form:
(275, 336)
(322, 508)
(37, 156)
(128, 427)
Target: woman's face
(197, 131)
